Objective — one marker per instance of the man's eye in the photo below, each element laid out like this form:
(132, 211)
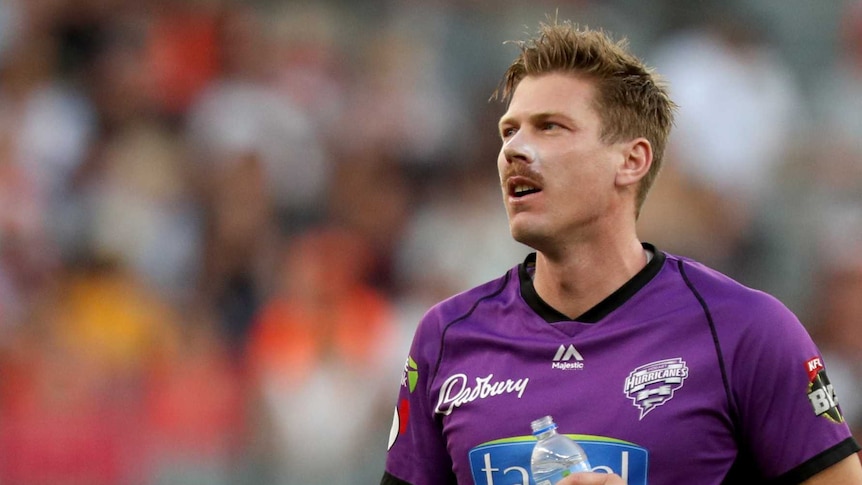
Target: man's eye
(507, 132)
(549, 126)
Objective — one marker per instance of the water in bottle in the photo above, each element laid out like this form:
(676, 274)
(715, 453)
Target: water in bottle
(555, 456)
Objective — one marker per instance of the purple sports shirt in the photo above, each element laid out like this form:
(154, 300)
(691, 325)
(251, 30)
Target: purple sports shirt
(681, 376)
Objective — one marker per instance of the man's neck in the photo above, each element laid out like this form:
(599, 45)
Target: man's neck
(575, 280)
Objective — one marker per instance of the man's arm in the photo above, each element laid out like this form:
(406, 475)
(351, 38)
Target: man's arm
(846, 472)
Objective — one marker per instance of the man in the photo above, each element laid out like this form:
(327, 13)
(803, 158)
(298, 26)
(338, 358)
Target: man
(669, 372)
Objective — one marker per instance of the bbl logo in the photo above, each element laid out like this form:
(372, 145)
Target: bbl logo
(821, 394)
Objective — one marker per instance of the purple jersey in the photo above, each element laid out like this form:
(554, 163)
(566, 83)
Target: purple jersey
(681, 376)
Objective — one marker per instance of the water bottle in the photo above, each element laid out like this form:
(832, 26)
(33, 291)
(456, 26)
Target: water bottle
(555, 456)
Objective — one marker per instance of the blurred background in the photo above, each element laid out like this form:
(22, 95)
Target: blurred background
(221, 220)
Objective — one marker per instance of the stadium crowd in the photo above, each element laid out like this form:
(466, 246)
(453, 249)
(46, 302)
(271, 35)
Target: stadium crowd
(220, 220)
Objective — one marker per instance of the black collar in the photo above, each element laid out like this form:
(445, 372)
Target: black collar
(596, 313)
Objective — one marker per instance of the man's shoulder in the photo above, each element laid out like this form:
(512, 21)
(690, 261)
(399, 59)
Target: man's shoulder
(701, 275)
(715, 289)
(477, 294)
(464, 303)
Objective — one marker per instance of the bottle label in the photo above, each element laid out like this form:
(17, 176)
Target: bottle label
(558, 475)
(508, 460)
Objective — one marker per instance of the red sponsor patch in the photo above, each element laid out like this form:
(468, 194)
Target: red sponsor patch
(813, 366)
(403, 414)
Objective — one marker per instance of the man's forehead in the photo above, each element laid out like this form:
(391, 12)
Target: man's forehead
(559, 93)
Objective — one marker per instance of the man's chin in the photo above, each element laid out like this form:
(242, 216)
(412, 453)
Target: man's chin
(529, 236)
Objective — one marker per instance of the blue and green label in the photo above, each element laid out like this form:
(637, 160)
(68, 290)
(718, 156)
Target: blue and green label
(507, 461)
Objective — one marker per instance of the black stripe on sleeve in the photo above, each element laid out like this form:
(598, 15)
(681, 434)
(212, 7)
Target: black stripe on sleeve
(505, 283)
(819, 463)
(713, 331)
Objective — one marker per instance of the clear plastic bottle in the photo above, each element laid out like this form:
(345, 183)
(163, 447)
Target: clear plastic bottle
(555, 456)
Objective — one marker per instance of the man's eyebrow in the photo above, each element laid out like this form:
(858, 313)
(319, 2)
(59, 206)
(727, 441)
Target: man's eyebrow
(506, 120)
(544, 115)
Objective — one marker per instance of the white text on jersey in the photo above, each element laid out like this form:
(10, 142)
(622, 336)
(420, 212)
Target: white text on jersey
(455, 391)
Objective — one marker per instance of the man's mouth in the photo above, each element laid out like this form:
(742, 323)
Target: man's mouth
(520, 187)
(522, 190)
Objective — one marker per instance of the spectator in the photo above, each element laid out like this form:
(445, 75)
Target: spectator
(740, 107)
(325, 338)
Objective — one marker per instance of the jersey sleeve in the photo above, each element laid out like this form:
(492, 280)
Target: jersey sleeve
(417, 453)
(787, 411)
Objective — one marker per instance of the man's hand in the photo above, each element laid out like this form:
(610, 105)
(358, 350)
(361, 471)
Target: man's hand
(592, 478)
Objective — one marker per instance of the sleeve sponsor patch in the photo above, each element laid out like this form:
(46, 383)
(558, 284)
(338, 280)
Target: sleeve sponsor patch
(821, 394)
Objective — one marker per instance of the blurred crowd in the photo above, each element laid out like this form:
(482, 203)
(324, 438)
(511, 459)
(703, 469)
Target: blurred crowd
(221, 220)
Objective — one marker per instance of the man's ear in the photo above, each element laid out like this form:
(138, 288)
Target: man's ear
(637, 162)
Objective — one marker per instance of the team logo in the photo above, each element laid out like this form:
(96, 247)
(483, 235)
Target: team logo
(821, 394)
(402, 411)
(411, 374)
(653, 384)
(568, 358)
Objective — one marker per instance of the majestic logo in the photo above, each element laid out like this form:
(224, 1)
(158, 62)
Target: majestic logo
(457, 392)
(653, 384)
(564, 356)
(821, 394)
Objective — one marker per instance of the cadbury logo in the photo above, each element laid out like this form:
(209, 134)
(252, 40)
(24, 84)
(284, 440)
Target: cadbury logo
(456, 390)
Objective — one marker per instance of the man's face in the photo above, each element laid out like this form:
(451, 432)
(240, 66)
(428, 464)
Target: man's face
(557, 175)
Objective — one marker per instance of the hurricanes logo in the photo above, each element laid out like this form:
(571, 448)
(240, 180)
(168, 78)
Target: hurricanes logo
(653, 384)
(821, 394)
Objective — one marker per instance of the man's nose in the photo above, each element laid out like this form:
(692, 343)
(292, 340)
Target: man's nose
(517, 148)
